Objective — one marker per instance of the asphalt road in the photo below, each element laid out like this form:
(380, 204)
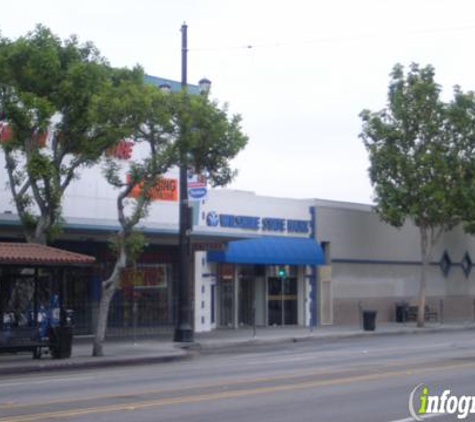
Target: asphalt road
(366, 379)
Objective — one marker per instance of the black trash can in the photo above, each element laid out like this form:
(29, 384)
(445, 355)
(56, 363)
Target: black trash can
(369, 320)
(61, 342)
(401, 312)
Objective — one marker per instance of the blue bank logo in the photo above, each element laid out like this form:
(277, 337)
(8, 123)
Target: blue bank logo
(212, 219)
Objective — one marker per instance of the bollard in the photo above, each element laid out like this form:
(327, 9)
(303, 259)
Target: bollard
(254, 330)
(311, 320)
(360, 313)
(441, 311)
(135, 311)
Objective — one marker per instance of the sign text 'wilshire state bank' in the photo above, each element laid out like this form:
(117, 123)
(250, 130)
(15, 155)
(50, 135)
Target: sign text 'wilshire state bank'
(266, 224)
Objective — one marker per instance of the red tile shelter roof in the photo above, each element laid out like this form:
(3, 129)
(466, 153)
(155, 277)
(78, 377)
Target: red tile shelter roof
(32, 254)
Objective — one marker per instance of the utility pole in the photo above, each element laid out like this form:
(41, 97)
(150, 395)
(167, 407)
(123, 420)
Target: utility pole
(184, 329)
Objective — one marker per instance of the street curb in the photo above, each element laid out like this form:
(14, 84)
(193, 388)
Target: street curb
(65, 365)
(206, 348)
(191, 349)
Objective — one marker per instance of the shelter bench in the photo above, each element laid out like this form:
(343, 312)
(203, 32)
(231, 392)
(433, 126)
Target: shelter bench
(19, 339)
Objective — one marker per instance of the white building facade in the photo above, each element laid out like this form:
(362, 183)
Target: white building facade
(263, 260)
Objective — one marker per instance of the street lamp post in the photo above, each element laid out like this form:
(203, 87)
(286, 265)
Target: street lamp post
(184, 329)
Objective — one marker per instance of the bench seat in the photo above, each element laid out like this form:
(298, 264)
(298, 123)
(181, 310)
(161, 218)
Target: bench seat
(22, 339)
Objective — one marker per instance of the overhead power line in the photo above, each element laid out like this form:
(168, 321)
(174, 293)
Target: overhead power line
(296, 43)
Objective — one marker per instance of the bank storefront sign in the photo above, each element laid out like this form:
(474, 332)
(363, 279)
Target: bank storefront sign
(265, 224)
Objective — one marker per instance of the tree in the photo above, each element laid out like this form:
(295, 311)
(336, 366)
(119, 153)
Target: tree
(53, 121)
(421, 161)
(174, 128)
(461, 122)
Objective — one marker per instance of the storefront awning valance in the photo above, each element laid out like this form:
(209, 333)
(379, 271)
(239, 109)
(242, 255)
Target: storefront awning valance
(271, 251)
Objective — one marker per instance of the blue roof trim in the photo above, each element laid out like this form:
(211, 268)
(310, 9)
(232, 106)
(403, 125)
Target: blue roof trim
(106, 228)
(271, 251)
(174, 85)
(15, 223)
(384, 262)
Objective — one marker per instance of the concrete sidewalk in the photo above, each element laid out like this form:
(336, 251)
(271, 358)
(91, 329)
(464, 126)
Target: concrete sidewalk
(122, 352)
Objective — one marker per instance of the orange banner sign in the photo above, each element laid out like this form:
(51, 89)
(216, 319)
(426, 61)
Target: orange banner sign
(164, 190)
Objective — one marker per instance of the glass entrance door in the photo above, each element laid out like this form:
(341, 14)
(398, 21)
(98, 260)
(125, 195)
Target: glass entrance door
(246, 301)
(282, 300)
(226, 303)
(225, 292)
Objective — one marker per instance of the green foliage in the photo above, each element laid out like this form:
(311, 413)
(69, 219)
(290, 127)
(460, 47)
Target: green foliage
(422, 159)
(29, 220)
(56, 229)
(208, 136)
(176, 128)
(69, 90)
(461, 121)
(415, 147)
(134, 245)
(136, 242)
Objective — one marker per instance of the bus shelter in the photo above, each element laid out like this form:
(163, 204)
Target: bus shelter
(33, 283)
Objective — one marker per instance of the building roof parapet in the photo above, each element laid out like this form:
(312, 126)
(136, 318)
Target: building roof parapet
(354, 206)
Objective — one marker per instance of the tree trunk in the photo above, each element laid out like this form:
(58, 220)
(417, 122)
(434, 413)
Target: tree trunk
(42, 226)
(426, 247)
(109, 288)
(37, 238)
(104, 305)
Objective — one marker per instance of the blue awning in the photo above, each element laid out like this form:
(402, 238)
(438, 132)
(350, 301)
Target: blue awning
(271, 251)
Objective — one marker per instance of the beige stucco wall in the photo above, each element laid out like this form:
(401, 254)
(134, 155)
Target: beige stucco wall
(375, 265)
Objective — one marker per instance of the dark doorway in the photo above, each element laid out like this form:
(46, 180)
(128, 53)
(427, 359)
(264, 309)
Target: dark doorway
(246, 301)
(282, 300)
(226, 309)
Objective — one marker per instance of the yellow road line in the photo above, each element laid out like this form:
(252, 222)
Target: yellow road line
(223, 382)
(222, 395)
(192, 399)
(181, 389)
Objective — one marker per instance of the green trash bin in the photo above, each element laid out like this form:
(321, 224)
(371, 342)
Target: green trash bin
(369, 320)
(61, 342)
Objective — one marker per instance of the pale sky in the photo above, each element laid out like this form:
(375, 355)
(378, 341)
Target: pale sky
(313, 67)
